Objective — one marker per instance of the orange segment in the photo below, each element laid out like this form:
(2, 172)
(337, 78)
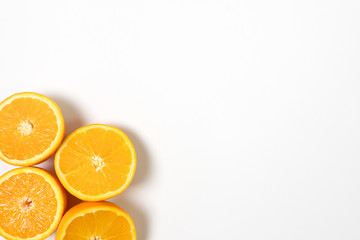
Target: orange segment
(32, 203)
(96, 162)
(31, 129)
(94, 221)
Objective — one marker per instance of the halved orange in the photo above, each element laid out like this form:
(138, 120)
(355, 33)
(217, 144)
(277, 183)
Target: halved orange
(96, 162)
(31, 128)
(96, 221)
(32, 202)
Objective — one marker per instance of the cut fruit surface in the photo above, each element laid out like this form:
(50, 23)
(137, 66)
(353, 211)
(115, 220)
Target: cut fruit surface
(96, 220)
(96, 162)
(32, 202)
(31, 128)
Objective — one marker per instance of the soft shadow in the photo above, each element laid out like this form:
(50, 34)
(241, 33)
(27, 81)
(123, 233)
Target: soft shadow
(71, 200)
(137, 214)
(48, 165)
(71, 113)
(142, 173)
(143, 167)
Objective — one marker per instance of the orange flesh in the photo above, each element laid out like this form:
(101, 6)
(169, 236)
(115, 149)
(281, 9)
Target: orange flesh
(28, 126)
(27, 205)
(96, 161)
(99, 225)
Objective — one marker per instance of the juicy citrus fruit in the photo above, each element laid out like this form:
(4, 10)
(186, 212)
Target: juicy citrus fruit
(32, 202)
(96, 162)
(96, 221)
(31, 128)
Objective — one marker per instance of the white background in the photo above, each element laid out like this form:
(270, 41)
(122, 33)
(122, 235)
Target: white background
(245, 114)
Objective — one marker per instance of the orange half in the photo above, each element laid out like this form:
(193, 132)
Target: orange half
(32, 202)
(95, 221)
(31, 128)
(96, 162)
